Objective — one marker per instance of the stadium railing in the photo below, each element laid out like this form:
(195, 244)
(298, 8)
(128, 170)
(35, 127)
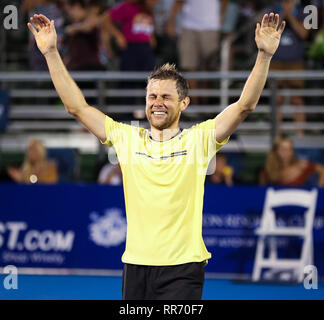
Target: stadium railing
(36, 109)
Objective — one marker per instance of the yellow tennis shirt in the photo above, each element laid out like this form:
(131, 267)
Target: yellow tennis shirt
(164, 189)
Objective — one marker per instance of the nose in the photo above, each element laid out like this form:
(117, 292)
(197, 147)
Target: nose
(158, 101)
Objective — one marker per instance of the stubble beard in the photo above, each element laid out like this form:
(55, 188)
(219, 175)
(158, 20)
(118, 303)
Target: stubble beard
(162, 125)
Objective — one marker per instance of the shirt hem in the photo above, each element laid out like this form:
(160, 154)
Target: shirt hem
(159, 264)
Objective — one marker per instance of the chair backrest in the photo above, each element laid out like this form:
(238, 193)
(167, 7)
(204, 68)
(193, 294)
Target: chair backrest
(289, 197)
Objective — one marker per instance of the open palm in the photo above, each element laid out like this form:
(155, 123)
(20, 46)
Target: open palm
(267, 35)
(44, 33)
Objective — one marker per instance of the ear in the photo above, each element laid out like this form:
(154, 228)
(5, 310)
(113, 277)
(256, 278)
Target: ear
(184, 103)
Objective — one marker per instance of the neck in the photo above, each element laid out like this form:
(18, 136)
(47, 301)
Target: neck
(285, 164)
(164, 135)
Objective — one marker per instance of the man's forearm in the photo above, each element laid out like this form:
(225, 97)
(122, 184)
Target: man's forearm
(254, 85)
(65, 86)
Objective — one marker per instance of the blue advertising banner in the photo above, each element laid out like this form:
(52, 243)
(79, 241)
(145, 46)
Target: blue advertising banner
(230, 218)
(84, 227)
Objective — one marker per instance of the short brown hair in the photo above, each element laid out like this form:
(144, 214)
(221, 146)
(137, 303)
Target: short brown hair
(170, 72)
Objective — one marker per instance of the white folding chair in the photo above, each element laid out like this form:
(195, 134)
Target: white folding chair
(269, 230)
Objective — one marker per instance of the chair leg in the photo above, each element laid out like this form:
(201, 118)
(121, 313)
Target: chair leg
(306, 256)
(311, 251)
(258, 259)
(300, 276)
(273, 248)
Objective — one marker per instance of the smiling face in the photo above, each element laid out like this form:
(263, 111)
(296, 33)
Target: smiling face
(163, 108)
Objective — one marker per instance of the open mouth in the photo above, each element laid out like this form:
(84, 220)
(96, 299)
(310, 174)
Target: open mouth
(159, 113)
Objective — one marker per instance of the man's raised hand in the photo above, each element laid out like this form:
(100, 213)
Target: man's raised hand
(268, 34)
(44, 33)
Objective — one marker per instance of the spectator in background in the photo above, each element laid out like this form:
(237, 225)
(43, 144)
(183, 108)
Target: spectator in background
(316, 52)
(131, 24)
(36, 168)
(51, 9)
(319, 4)
(200, 33)
(135, 39)
(242, 48)
(166, 48)
(83, 35)
(110, 174)
(223, 173)
(291, 52)
(285, 169)
(230, 20)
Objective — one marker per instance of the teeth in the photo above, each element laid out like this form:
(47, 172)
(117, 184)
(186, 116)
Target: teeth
(158, 112)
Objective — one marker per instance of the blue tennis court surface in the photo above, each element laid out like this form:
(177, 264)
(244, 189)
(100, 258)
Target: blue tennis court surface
(65, 287)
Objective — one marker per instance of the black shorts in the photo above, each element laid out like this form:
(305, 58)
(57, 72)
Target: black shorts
(178, 282)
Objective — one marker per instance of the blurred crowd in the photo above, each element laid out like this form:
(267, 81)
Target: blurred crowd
(281, 168)
(136, 35)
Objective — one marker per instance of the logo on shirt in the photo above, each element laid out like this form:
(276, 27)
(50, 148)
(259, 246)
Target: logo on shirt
(142, 23)
(171, 155)
(108, 230)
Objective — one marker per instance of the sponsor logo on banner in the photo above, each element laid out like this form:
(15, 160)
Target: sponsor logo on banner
(108, 230)
(234, 230)
(20, 244)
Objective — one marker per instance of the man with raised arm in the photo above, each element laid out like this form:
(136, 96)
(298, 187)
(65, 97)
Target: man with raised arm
(163, 168)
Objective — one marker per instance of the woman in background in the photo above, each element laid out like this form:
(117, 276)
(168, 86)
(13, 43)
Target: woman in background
(135, 35)
(36, 168)
(285, 169)
(222, 173)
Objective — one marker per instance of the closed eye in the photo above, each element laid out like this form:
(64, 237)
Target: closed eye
(164, 96)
